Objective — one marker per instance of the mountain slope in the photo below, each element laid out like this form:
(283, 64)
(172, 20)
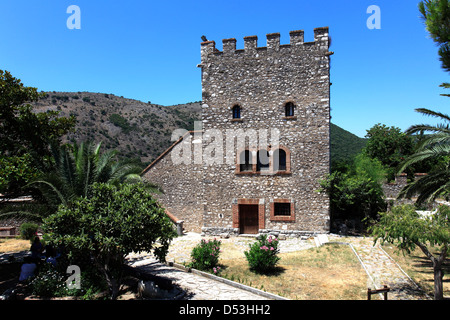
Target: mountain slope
(135, 128)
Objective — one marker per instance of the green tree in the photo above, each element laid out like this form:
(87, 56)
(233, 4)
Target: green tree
(433, 147)
(356, 192)
(389, 145)
(436, 16)
(15, 172)
(77, 167)
(406, 229)
(23, 131)
(108, 225)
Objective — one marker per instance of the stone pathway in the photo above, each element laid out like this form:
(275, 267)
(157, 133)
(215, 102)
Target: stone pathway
(196, 287)
(381, 268)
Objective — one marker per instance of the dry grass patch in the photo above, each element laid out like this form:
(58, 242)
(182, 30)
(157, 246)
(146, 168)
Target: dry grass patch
(331, 272)
(14, 245)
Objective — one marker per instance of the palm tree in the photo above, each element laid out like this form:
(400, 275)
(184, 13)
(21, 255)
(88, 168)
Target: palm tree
(78, 167)
(435, 146)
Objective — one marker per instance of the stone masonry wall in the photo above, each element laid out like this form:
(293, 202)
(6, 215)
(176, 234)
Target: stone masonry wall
(261, 80)
(181, 184)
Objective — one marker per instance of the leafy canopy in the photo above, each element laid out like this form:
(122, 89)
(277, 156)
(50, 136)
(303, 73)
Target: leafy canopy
(22, 130)
(436, 16)
(108, 225)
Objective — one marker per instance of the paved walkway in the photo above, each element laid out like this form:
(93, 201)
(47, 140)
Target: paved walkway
(381, 269)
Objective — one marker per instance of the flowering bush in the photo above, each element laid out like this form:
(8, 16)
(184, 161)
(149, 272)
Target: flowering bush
(49, 283)
(205, 256)
(262, 256)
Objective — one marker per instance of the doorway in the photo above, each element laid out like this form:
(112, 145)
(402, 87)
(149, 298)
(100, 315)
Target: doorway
(248, 219)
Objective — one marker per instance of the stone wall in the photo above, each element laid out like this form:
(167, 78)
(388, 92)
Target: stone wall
(181, 184)
(261, 80)
(392, 189)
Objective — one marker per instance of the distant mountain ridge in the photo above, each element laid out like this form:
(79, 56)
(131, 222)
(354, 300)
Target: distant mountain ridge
(143, 130)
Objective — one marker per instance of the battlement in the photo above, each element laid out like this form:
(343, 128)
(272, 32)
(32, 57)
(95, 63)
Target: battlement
(321, 43)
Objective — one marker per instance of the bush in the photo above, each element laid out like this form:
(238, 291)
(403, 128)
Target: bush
(113, 222)
(28, 230)
(51, 282)
(262, 256)
(205, 256)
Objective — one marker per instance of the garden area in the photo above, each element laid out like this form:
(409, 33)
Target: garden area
(330, 272)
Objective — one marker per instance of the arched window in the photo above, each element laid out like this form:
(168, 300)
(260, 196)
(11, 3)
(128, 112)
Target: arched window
(280, 160)
(289, 109)
(236, 112)
(245, 161)
(263, 160)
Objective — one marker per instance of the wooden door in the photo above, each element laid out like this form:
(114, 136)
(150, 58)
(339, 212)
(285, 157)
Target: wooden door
(248, 219)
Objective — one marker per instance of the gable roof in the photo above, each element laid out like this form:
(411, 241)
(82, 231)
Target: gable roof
(162, 155)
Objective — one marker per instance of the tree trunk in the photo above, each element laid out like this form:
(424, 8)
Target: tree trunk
(437, 268)
(438, 285)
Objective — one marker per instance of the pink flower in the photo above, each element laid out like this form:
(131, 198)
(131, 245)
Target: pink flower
(271, 248)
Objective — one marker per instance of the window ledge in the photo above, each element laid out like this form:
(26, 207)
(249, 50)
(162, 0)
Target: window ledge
(283, 218)
(263, 173)
(290, 118)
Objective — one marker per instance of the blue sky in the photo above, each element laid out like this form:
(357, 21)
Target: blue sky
(148, 50)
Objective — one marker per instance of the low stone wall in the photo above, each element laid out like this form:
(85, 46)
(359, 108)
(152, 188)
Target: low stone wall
(226, 232)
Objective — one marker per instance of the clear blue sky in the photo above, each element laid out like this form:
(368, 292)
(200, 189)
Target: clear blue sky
(148, 50)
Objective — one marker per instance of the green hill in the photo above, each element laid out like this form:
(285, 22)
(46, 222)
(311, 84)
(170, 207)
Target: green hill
(344, 145)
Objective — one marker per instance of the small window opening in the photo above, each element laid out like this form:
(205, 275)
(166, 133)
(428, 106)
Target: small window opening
(263, 160)
(236, 112)
(280, 160)
(245, 162)
(289, 109)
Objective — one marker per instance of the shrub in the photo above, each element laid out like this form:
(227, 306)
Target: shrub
(28, 230)
(262, 256)
(205, 256)
(51, 282)
(108, 225)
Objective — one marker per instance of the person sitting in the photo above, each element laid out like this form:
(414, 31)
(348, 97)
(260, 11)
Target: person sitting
(36, 249)
(50, 255)
(27, 269)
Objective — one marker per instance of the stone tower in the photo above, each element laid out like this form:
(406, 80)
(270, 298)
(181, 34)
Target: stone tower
(280, 89)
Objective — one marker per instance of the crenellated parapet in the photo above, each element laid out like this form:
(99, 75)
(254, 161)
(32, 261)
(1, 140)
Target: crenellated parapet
(321, 43)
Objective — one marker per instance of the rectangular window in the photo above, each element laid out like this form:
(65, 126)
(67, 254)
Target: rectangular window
(282, 209)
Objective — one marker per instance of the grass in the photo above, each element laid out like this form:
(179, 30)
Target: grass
(420, 269)
(14, 245)
(331, 272)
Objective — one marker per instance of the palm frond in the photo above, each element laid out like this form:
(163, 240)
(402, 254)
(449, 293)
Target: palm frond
(428, 188)
(432, 113)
